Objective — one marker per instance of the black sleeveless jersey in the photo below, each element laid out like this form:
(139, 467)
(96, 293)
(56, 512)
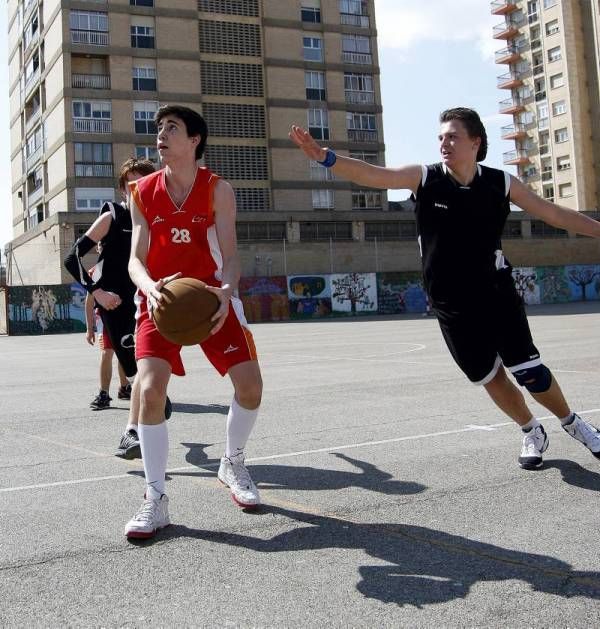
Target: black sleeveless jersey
(459, 230)
(111, 267)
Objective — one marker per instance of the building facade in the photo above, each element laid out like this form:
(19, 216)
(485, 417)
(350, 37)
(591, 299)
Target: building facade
(86, 77)
(551, 71)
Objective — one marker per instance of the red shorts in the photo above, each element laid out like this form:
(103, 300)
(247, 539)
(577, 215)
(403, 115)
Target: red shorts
(104, 341)
(231, 345)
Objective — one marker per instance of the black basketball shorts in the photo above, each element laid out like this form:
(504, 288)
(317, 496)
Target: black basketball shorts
(119, 325)
(488, 333)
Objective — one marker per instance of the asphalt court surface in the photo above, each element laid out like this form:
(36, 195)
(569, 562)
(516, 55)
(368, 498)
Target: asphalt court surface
(391, 490)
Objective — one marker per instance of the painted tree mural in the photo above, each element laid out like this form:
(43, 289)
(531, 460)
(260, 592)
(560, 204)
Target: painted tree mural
(583, 276)
(354, 289)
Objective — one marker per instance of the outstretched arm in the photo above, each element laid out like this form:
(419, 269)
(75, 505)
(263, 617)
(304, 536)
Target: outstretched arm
(551, 213)
(357, 171)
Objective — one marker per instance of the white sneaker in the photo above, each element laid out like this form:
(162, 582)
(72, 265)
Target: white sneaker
(585, 433)
(535, 442)
(233, 473)
(152, 516)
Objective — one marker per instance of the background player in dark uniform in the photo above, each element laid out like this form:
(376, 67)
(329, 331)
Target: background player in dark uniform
(461, 208)
(113, 289)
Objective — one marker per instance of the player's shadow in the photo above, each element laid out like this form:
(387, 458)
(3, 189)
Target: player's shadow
(308, 478)
(181, 407)
(428, 566)
(574, 474)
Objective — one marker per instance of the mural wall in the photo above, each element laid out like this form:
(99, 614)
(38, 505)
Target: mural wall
(60, 308)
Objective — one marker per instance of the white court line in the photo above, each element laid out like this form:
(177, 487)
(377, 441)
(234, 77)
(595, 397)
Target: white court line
(349, 446)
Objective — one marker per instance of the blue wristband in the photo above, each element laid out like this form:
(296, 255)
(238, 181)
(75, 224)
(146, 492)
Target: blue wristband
(330, 159)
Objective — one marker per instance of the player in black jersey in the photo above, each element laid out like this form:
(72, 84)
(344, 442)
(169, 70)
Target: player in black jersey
(461, 208)
(113, 289)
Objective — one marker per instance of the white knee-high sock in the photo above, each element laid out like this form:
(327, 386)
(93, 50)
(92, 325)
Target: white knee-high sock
(154, 440)
(240, 422)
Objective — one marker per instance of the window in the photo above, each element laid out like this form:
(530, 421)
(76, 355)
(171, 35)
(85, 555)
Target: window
(312, 49)
(539, 229)
(142, 36)
(88, 21)
(141, 3)
(563, 162)
(322, 199)
(552, 27)
(36, 215)
(554, 54)
(370, 157)
(92, 116)
(147, 152)
(30, 30)
(319, 172)
(390, 230)
(361, 127)
(557, 80)
(318, 124)
(356, 49)
(512, 229)
(366, 200)
(315, 85)
(143, 116)
(93, 159)
(261, 231)
(565, 190)
(561, 135)
(144, 79)
(310, 14)
(317, 230)
(92, 199)
(359, 88)
(34, 142)
(559, 107)
(549, 3)
(354, 13)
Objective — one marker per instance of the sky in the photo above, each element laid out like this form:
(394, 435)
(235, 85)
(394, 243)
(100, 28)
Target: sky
(433, 54)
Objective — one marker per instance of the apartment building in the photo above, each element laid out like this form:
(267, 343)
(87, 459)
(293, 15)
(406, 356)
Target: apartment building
(86, 77)
(550, 57)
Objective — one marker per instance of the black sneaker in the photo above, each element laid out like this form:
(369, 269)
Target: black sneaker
(168, 408)
(124, 392)
(101, 401)
(129, 446)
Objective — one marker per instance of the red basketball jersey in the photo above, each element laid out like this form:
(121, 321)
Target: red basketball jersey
(182, 239)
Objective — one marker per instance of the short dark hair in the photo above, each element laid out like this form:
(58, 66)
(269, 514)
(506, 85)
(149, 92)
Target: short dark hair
(470, 118)
(133, 165)
(194, 123)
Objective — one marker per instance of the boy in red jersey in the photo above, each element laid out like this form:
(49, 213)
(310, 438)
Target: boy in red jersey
(184, 225)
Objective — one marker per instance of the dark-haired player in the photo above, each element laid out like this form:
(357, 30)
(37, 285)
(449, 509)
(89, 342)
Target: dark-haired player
(184, 225)
(461, 208)
(113, 290)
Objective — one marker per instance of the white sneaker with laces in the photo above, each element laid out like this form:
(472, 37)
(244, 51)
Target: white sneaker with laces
(233, 473)
(585, 433)
(535, 442)
(152, 516)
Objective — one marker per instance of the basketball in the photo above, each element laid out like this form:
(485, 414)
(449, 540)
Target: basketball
(184, 316)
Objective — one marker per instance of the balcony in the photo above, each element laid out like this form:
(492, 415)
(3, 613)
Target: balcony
(503, 7)
(518, 156)
(547, 175)
(544, 149)
(32, 119)
(362, 135)
(530, 176)
(92, 38)
(541, 95)
(31, 82)
(91, 125)
(507, 29)
(538, 69)
(83, 169)
(510, 54)
(510, 80)
(359, 97)
(34, 38)
(35, 196)
(513, 131)
(33, 159)
(359, 58)
(543, 123)
(352, 19)
(91, 81)
(511, 106)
